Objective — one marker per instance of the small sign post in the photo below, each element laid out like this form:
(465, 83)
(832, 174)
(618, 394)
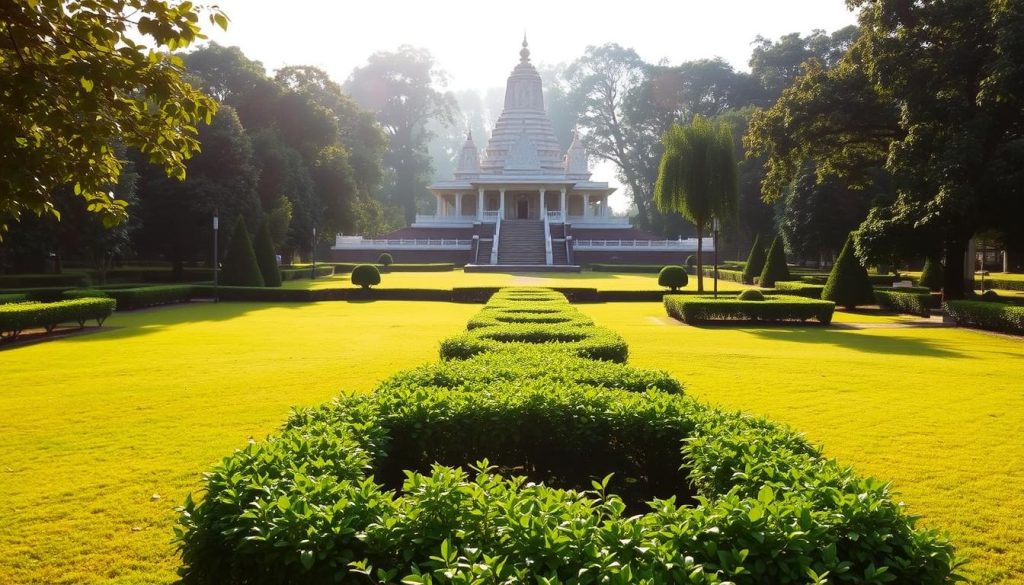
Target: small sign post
(216, 262)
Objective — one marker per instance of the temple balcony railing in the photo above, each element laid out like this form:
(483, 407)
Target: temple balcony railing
(361, 243)
(680, 245)
(599, 221)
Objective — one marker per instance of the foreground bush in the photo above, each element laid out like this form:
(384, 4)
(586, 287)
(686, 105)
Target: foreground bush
(848, 284)
(701, 309)
(16, 317)
(755, 261)
(365, 275)
(775, 267)
(529, 465)
(673, 277)
(987, 315)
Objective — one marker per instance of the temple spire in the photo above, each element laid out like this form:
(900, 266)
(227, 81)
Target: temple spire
(524, 53)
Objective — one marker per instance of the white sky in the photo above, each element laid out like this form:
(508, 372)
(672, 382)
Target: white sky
(477, 43)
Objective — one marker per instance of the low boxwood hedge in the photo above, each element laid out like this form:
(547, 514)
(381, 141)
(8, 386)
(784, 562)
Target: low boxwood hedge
(322, 270)
(498, 317)
(774, 308)
(987, 315)
(724, 274)
(533, 466)
(84, 293)
(67, 279)
(627, 268)
(589, 342)
(16, 317)
(799, 288)
(129, 299)
(905, 302)
(1001, 282)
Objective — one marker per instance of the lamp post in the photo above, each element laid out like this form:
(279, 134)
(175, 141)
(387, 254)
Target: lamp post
(715, 226)
(313, 254)
(216, 227)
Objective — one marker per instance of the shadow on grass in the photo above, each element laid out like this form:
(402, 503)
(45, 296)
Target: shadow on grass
(859, 341)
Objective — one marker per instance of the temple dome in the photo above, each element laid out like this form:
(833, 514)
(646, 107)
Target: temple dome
(523, 113)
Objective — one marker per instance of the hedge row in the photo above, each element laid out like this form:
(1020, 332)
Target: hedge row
(724, 274)
(346, 267)
(137, 298)
(987, 315)
(16, 317)
(1001, 283)
(906, 302)
(12, 298)
(627, 268)
(533, 466)
(774, 308)
(322, 270)
(799, 288)
(44, 280)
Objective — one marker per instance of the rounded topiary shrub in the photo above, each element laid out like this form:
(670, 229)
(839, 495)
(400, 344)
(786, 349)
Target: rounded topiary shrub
(751, 294)
(990, 295)
(365, 275)
(240, 265)
(385, 259)
(932, 274)
(775, 267)
(848, 284)
(691, 261)
(755, 261)
(673, 277)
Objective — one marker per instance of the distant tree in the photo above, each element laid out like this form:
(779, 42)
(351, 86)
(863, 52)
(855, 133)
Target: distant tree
(931, 275)
(777, 64)
(697, 177)
(405, 89)
(76, 78)
(775, 267)
(755, 261)
(266, 257)
(175, 216)
(240, 265)
(848, 284)
(335, 184)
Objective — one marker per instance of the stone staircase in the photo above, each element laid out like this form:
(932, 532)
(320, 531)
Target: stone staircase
(521, 242)
(559, 256)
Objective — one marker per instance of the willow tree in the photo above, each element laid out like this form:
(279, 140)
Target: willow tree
(697, 177)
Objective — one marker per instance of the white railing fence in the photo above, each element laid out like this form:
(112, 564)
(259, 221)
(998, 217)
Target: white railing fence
(490, 216)
(687, 245)
(358, 242)
(494, 243)
(547, 239)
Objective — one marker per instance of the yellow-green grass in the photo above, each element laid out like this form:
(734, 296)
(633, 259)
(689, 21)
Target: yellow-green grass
(457, 278)
(935, 410)
(93, 426)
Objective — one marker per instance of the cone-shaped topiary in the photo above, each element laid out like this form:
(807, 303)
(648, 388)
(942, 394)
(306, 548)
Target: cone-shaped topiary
(673, 277)
(365, 275)
(240, 266)
(755, 261)
(848, 285)
(775, 268)
(266, 257)
(932, 275)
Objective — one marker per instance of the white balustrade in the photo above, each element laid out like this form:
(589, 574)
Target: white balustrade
(360, 243)
(687, 245)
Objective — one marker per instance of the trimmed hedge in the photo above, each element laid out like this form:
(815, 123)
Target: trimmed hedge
(775, 267)
(489, 470)
(16, 317)
(68, 279)
(266, 257)
(84, 293)
(799, 288)
(12, 298)
(240, 265)
(848, 284)
(346, 267)
(627, 268)
(385, 259)
(300, 273)
(595, 343)
(499, 317)
(987, 315)
(701, 309)
(1001, 283)
(751, 294)
(905, 302)
(755, 261)
(129, 299)
(366, 275)
(724, 274)
(932, 275)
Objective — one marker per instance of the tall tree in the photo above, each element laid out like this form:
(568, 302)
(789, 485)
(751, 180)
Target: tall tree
(931, 91)
(697, 177)
(405, 89)
(76, 77)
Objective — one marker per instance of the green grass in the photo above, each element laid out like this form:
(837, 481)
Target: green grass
(447, 280)
(94, 425)
(936, 411)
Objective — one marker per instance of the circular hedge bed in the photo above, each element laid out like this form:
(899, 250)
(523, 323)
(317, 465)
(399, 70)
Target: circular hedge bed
(503, 317)
(528, 465)
(595, 343)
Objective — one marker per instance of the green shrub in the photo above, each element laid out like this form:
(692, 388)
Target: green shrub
(346, 267)
(16, 317)
(365, 275)
(848, 284)
(673, 277)
(300, 273)
(799, 288)
(755, 261)
(905, 302)
(84, 293)
(932, 275)
(129, 299)
(12, 298)
(724, 274)
(691, 261)
(627, 268)
(385, 259)
(703, 308)
(751, 294)
(775, 267)
(240, 265)
(495, 317)
(266, 257)
(595, 343)
(1001, 282)
(987, 315)
(990, 295)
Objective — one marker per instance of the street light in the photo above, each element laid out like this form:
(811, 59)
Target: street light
(313, 276)
(216, 227)
(715, 226)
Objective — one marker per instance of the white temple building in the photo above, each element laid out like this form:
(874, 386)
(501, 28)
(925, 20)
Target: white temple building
(523, 202)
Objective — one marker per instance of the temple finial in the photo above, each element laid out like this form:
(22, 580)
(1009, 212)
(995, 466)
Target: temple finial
(524, 53)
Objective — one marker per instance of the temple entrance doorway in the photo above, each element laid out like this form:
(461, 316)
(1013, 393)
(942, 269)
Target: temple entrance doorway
(522, 208)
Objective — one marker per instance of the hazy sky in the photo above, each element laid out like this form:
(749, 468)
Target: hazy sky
(477, 43)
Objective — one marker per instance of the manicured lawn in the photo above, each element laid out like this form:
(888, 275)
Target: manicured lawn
(936, 411)
(447, 280)
(94, 426)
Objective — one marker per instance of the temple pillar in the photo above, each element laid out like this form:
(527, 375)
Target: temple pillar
(586, 205)
(501, 203)
(458, 204)
(563, 206)
(544, 203)
(437, 205)
(480, 203)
